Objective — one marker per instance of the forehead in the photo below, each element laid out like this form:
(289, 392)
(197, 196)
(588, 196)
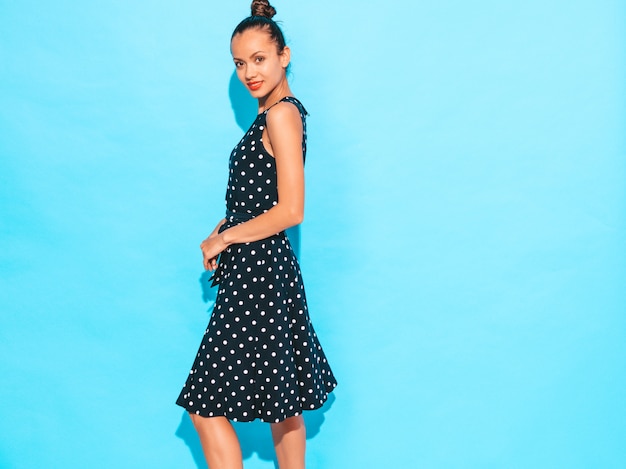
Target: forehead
(251, 41)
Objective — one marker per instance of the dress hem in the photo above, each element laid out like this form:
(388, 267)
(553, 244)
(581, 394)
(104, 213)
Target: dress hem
(205, 413)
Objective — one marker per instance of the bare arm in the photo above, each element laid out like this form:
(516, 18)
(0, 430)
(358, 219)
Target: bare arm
(284, 127)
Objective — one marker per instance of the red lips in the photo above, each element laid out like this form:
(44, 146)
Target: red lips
(254, 85)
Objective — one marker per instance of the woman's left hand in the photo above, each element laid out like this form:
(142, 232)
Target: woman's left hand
(211, 248)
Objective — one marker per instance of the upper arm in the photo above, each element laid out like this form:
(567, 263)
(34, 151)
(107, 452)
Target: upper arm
(284, 128)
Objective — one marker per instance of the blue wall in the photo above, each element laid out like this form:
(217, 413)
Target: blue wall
(463, 248)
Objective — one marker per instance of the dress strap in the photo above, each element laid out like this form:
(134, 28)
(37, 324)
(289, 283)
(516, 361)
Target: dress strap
(297, 103)
(290, 99)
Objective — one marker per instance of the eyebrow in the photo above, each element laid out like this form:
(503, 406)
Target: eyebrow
(257, 52)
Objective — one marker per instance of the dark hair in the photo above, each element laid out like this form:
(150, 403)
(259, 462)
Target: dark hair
(261, 18)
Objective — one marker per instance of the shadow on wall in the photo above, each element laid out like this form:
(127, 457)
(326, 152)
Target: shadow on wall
(245, 107)
(254, 437)
(209, 294)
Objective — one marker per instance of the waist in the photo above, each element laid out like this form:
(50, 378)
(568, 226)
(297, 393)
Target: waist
(235, 218)
(239, 217)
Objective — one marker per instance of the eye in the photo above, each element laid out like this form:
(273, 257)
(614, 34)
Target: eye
(259, 59)
(238, 63)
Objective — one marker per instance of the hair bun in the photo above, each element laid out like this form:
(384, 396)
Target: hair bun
(262, 8)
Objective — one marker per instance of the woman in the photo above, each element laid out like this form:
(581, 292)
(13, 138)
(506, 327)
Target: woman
(260, 356)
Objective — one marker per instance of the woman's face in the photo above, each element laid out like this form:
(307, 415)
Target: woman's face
(259, 66)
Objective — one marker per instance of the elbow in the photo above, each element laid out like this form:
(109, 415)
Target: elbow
(295, 216)
(289, 214)
(300, 219)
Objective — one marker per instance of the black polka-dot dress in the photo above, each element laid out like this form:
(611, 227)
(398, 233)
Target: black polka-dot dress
(260, 356)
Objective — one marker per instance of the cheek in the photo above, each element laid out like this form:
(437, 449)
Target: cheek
(271, 69)
(241, 74)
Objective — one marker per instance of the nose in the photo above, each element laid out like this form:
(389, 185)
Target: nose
(250, 72)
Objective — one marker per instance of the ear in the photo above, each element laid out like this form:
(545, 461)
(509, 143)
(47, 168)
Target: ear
(285, 57)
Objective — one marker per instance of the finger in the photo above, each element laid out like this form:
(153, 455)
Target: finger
(207, 263)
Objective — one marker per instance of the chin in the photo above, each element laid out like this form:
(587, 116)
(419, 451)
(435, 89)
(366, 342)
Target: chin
(262, 92)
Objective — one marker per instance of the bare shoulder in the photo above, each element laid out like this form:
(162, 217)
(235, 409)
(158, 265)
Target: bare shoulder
(284, 115)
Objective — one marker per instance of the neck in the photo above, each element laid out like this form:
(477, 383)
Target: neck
(276, 95)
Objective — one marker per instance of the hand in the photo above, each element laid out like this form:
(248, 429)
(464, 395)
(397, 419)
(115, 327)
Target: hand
(212, 247)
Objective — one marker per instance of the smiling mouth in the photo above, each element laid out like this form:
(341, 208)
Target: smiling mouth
(254, 85)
